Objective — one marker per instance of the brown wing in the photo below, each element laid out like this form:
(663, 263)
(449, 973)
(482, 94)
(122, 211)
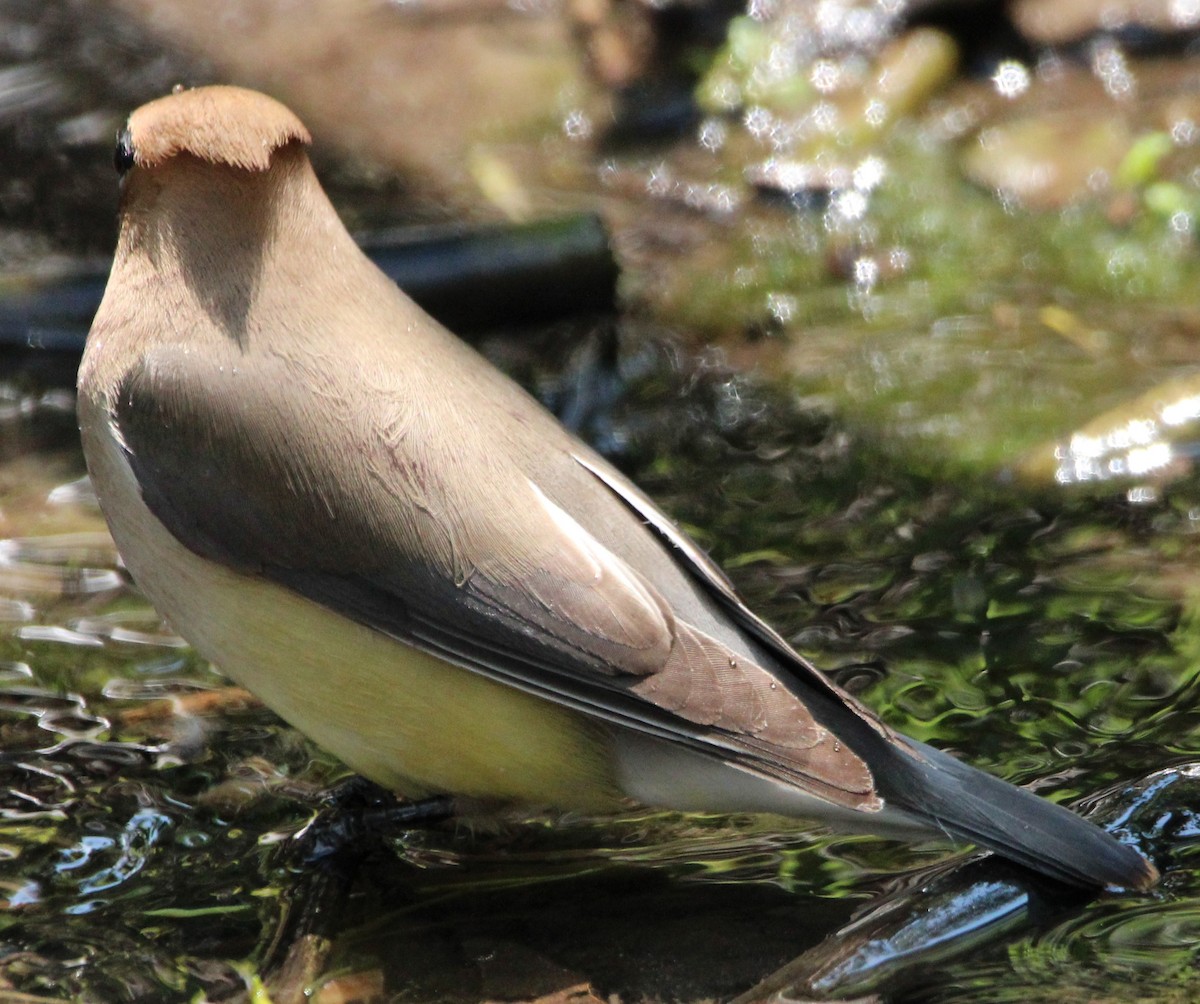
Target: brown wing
(452, 549)
(714, 580)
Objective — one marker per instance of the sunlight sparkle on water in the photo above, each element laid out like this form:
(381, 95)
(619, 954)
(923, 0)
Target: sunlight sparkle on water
(1112, 68)
(869, 173)
(1134, 448)
(1184, 410)
(1184, 13)
(825, 75)
(1011, 79)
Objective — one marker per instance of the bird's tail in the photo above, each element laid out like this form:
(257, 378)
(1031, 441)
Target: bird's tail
(968, 804)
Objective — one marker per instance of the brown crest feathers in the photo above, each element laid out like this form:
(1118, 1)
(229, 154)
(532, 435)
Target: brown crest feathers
(222, 125)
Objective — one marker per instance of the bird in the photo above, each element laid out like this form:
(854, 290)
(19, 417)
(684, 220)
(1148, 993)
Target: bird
(403, 554)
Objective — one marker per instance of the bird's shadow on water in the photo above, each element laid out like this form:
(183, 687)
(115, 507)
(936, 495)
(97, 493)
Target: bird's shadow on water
(523, 926)
(494, 930)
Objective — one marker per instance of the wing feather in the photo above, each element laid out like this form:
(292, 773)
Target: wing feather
(391, 532)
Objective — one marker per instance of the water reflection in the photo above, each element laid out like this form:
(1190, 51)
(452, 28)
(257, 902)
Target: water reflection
(140, 788)
(1154, 437)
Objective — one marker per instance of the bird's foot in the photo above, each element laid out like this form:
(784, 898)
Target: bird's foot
(359, 812)
(347, 833)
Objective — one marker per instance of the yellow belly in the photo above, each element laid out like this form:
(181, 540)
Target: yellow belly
(404, 719)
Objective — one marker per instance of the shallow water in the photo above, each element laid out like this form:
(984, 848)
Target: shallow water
(1048, 644)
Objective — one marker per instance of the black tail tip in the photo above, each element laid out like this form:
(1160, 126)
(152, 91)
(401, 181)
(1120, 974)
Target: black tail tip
(1017, 824)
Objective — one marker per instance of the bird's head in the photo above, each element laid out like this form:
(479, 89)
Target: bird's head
(215, 182)
(223, 126)
(205, 159)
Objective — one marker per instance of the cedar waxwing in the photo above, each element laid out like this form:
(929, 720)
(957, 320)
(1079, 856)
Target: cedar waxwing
(406, 557)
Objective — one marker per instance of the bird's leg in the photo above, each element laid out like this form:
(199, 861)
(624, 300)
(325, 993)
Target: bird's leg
(358, 811)
(347, 833)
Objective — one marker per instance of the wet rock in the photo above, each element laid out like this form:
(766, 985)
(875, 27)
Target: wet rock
(1050, 161)
(1059, 22)
(1075, 135)
(1151, 439)
(408, 87)
(618, 38)
(1013, 389)
(797, 97)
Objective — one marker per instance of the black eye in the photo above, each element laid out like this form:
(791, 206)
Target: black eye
(123, 154)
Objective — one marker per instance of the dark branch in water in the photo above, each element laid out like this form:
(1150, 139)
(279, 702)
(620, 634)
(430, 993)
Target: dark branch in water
(471, 279)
